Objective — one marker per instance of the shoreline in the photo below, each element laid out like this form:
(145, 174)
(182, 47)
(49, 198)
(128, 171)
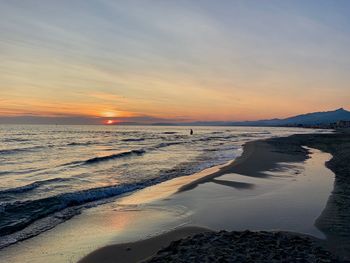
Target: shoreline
(211, 203)
(257, 157)
(254, 161)
(41, 226)
(142, 249)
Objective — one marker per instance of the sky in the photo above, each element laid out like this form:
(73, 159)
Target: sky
(172, 61)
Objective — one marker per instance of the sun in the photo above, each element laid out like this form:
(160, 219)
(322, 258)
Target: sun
(109, 122)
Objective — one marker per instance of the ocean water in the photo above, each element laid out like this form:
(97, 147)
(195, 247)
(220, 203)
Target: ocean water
(50, 173)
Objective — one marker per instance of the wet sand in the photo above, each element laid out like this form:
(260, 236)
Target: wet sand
(257, 157)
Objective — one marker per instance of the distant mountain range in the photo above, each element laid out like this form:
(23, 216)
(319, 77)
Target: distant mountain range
(315, 118)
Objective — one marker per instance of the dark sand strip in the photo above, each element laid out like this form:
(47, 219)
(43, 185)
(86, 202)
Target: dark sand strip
(245, 246)
(257, 157)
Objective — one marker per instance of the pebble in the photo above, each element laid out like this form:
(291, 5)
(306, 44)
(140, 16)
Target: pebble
(244, 247)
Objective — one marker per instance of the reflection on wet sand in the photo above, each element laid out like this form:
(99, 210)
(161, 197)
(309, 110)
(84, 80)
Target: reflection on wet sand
(233, 184)
(335, 218)
(282, 200)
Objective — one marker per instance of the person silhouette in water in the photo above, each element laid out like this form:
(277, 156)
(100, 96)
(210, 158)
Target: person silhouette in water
(191, 132)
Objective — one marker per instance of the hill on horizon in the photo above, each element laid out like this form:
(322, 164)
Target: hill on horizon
(314, 118)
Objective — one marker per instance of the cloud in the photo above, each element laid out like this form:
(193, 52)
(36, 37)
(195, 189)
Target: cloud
(233, 60)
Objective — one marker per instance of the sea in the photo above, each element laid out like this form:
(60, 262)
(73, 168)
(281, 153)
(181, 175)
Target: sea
(49, 173)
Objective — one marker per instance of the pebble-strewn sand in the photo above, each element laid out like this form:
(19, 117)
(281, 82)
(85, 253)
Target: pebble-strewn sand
(244, 246)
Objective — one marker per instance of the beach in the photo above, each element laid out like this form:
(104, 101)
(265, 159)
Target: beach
(174, 131)
(278, 156)
(279, 189)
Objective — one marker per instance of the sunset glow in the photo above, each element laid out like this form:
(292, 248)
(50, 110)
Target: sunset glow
(172, 61)
(230, 114)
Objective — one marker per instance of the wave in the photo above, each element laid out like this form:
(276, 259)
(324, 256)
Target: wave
(25, 171)
(20, 218)
(263, 132)
(211, 150)
(114, 156)
(31, 186)
(18, 215)
(138, 152)
(95, 160)
(16, 140)
(79, 143)
(165, 144)
(133, 140)
(17, 150)
(211, 138)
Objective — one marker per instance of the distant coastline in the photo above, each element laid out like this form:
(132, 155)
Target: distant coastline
(339, 118)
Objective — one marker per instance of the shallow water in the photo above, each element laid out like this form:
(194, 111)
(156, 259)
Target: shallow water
(56, 171)
(290, 200)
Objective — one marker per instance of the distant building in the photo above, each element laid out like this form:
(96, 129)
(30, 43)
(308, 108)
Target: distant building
(343, 124)
(334, 125)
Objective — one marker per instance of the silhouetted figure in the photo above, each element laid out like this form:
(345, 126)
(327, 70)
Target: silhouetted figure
(191, 132)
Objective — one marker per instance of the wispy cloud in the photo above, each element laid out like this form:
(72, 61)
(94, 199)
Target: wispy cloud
(201, 60)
